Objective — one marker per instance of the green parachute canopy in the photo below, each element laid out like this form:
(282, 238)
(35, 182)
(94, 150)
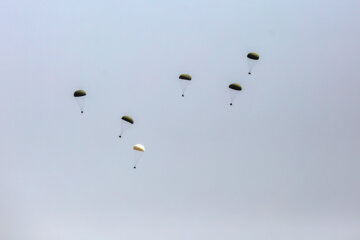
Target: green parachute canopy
(79, 93)
(253, 56)
(185, 77)
(126, 123)
(128, 119)
(234, 90)
(235, 86)
(80, 96)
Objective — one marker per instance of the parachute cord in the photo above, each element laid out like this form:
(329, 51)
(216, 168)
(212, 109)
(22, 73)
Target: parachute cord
(121, 133)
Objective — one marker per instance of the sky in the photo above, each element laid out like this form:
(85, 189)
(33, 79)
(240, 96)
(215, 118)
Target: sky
(281, 163)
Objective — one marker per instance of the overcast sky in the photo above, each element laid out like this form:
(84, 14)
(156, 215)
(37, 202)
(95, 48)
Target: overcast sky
(282, 163)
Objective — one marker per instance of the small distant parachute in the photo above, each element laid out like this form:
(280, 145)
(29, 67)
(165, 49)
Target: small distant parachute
(234, 90)
(139, 151)
(252, 60)
(80, 99)
(184, 80)
(126, 123)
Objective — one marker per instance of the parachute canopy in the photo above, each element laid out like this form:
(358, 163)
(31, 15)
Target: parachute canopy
(185, 77)
(139, 147)
(252, 60)
(79, 93)
(139, 151)
(184, 80)
(234, 90)
(253, 56)
(235, 86)
(128, 119)
(80, 96)
(126, 123)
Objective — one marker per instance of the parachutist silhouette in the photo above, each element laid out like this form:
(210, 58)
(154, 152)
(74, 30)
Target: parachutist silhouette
(120, 136)
(182, 95)
(82, 111)
(230, 104)
(249, 73)
(134, 167)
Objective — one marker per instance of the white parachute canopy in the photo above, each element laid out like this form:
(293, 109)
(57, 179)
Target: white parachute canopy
(139, 151)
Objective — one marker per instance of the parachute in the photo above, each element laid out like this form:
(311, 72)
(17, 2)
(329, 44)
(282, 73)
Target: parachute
(126, 123)
(234, 89)
(79, 96)
(139, 151)
(184, 82)
(252, 60)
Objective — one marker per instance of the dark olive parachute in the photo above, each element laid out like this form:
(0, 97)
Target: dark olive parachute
(252, 60)
(253, 56)
(126, 123)
(235, 86)
(80, 96)
(128, 119)
(234, 90)
(79, 93)
(185, 76)
(184, 80)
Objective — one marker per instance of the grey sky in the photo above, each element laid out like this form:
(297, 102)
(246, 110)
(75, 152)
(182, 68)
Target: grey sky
(282, 163)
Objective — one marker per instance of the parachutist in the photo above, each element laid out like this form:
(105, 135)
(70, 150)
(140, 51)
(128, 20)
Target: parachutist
(139, 150)
(185, 80)
(235, 88)
(249, 73)
(120, 136)
(80, 94)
